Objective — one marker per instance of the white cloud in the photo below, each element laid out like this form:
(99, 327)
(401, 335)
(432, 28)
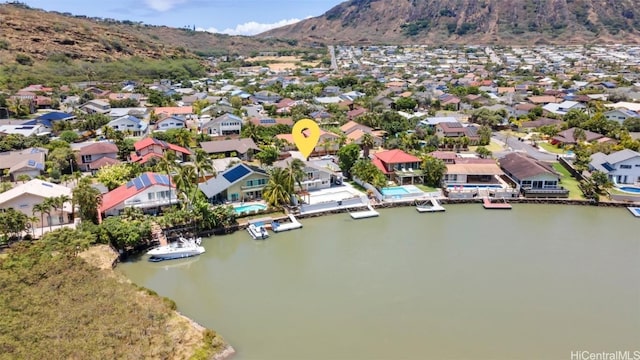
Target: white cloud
(163, 5)
(250, 28)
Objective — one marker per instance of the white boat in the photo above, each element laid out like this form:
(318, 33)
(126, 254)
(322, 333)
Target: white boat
(182, 248)
(279, 227)
(258, 231)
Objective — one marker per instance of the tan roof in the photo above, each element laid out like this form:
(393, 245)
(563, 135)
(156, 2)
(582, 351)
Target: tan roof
(474, 169)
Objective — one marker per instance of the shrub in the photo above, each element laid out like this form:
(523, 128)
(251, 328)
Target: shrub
(23, 59)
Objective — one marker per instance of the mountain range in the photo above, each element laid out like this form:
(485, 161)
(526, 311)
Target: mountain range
(513, 22)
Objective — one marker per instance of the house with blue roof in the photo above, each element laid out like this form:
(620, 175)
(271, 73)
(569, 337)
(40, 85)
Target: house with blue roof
(620, 115)
(129, 124)
(241, 182)
(622, 167)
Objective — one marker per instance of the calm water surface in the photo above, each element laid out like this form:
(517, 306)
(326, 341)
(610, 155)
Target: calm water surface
(535, 282)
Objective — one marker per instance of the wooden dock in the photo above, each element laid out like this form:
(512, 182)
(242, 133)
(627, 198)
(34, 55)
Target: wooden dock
(364, 214)
(487, 204)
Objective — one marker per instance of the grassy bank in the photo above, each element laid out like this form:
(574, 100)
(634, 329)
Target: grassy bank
(55, 305)
(568, 182)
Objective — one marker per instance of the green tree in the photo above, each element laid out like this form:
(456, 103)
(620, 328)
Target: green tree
(69, 136)
(114, 175)
(632, 124)
(88, 199)
(406, 103)
(434, 170)
(367, 144)
(69, 241)
(347, 157)
(485, 135)
(483, 152)
(366, 171)
(268, 155)
(41, 209)
(12, 224)
(23, 177)
(125, 234)
(5, 186)
(278, 190)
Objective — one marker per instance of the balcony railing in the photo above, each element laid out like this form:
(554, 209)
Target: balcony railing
(252, 187)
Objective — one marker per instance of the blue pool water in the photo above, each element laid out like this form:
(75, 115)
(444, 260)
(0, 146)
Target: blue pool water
(630, 189)
(393, 191)
(249, 208)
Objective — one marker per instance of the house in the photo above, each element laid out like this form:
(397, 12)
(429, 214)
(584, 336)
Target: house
(23, 162)
(472, 171)
(357, 135)
(271, 121)
(25, 129)
(149, 148)
(227, 124)
(265, 96)
(620, 115)
(448, 157)
(316, 177)
(327, 143)
(148, 192)
(23, 198)
(567, 137)
(171, 122)
(238, 183)
(564, 107)
(94, 156)
(399, 166)
(96, 107)
(129, 124)
(185, 112)
(534, 178)
(243, 148)
(539, 122)
(622, 167)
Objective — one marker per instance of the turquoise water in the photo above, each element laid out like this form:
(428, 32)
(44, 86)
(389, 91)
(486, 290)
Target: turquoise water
(396, 190)
(249, 208)
(630, 189)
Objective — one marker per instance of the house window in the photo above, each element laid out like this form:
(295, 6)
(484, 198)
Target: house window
(86, 158)
(152, 196)
(625, 166)
(526, 183)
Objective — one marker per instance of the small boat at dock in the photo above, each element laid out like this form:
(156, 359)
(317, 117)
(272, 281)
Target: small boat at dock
(180, 249)
(258, 231)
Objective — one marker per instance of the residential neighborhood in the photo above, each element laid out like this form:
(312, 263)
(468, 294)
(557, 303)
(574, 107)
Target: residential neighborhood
(547, 122)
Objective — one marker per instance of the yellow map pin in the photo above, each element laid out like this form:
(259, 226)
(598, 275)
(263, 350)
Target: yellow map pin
(306, 134)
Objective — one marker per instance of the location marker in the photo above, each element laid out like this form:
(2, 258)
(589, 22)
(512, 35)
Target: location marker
(306, 134)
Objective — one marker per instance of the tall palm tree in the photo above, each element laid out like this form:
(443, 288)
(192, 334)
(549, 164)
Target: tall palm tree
(295, 174)
(48, 204)
(60, 200)
(277, 192)
(184, 180)
(41, 208)
(367, 144)
(202, 165)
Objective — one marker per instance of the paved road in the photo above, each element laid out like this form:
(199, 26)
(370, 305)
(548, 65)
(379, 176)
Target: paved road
(516, 145)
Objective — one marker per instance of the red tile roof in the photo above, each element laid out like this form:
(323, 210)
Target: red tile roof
(126, 191)
(99, 148)
(104, 161)
(379, 165)
(165, 145)
(396, 156)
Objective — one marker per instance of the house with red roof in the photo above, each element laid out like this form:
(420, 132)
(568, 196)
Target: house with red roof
(148, 192)
(399, 166)
(149, 148)
(97, 155)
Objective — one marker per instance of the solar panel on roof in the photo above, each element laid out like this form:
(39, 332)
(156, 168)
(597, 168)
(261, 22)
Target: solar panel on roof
(236, 173)
(138, 183)
(144, 179)
(31, 163)
(129, 184)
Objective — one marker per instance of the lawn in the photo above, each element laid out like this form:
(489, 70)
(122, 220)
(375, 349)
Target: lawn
(426, 188)
(493, 147)
(550, 148)
(568, 182)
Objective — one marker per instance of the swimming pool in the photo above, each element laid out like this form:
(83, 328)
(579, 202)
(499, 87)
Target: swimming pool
(400, 191)
(249, 208)
(630, 189)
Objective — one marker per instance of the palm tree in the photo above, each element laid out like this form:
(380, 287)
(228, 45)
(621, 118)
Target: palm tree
(48, 204)
(60, 200)
(23, 177)
(184, 180)
(202, 165)
(41, 208)
(295, 173)
(367, 144)
(277, 192)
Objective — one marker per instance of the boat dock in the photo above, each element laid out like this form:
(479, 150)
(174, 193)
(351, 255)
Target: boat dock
(279, 227)
(487, 204)
(364, 214)
(431, 206)
(635, 211)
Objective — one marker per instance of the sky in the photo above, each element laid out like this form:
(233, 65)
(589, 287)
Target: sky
(234, 17)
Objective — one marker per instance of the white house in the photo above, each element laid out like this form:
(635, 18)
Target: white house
(129, 124)
(620, 114)
(171, 122)
(23, 197)
(563, 107)
(622, 167)
(148, 192)
(227, 124)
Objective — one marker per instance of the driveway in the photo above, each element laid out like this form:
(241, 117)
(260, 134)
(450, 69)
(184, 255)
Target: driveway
(516, 145)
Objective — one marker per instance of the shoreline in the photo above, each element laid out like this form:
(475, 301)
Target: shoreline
(105, 258)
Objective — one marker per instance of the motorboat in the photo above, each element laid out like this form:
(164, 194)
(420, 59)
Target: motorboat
(258, 231)
(182, 248)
